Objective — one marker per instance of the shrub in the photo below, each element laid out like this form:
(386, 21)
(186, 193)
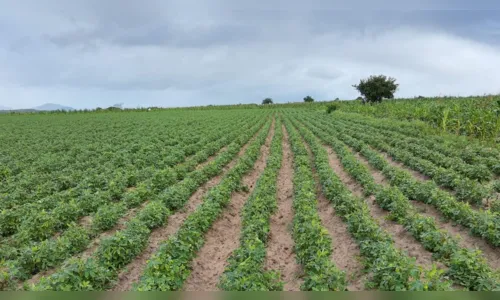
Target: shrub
(332, 107)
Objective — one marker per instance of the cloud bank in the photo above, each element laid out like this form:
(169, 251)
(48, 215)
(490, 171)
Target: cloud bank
(88, 53)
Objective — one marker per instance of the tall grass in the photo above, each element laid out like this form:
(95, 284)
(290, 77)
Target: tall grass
(472, 116)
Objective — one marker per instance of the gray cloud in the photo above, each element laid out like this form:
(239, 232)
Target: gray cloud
(88, 53)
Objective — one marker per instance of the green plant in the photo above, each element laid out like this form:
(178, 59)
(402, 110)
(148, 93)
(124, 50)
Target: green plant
(267, 101)
(332, 107)
(376, 88)
(308, 99)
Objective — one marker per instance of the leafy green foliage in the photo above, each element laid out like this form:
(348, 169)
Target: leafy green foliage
(475, 116)
(169, 267)
(107, 216)
(308, 99)
(245, 270)
(30, 259)
(331, 107)
(466, 266)
(153, 215)
(375, 88)
(77, 275)
(391, 269)
(267, 101)
(120, 248)
(313, 245)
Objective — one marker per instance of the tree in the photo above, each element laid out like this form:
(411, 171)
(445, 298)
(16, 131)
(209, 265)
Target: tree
(376, 88)
(308, 99)
(267, 101)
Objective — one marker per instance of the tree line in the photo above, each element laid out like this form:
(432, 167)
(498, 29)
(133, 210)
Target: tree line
(373, 90)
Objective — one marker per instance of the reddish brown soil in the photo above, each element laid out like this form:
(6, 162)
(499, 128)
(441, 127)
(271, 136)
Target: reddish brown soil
(280, 247)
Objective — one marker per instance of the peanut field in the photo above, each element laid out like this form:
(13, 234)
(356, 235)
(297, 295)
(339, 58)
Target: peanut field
(285, 198)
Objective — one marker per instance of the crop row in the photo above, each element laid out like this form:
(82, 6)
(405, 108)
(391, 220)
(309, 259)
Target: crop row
(169, 267)
(469, 152)
(483, 223)
(57, 211)
(91, 164)
(245, 269)
(479, 172)
(390, 269)
(466, 189)
(467, 267)
(42, 224)
(452, 153)
(171, 198)
(313, 245)
(116, 251)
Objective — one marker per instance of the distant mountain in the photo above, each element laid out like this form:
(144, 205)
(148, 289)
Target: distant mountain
(52, 106)
(4, 107)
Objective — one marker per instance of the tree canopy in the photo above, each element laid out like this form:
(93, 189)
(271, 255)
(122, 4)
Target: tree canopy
(308, 99)
(267, 101)
(377, 87)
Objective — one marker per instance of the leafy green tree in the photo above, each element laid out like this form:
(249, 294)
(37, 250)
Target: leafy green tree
(376, 88)
(308, 99)
(267, 101)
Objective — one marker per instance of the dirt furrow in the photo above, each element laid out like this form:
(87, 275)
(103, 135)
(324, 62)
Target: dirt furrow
(280, 246)
(345, 254)
(132, 272)
(402, 239)
(223, 238)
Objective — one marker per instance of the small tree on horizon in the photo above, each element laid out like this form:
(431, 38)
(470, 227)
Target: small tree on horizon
(308, 99)
(377, 87)
(267, 101)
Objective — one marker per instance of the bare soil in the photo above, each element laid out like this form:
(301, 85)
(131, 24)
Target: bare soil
(280, 246)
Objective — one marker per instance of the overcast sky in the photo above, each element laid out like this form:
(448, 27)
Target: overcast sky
(88, 53)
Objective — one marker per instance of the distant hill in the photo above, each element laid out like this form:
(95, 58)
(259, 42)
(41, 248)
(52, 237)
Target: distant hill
(52, 106)
(44, 107)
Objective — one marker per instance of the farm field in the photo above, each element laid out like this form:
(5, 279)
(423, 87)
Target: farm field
(241, 199)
